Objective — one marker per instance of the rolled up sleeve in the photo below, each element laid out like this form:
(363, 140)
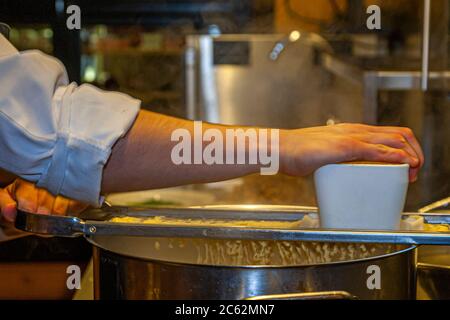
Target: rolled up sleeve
(90, 122)
(56, 134)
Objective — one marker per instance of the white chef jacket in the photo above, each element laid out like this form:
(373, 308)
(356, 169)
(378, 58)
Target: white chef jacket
(53, 133)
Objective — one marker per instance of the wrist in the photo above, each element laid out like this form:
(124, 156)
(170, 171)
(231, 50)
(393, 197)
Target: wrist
(285, 161)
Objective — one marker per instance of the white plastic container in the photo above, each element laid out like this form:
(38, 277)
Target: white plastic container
(368, 196)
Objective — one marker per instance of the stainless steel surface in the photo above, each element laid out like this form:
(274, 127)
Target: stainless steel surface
(50, 224)
(147, 268)
(70, 226)
(406, 237)
(122, 276)
(433, 274)
(433, 281)
(373, 81)
(207, 80)
(425, 44)
(326, 295)
(234, 80)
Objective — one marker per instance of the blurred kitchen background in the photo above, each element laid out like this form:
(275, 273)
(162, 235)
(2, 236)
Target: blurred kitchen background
(278, 63)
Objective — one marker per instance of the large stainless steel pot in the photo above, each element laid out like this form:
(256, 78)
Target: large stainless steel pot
(149, 268)
(433, 269)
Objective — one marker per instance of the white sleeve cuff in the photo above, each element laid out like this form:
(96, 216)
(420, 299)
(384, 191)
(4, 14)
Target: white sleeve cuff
(90, 122)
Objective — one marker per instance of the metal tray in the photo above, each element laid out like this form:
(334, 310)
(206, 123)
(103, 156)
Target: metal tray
(96, 222)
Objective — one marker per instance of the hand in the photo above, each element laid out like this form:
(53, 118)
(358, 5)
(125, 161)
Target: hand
(27, 197)
(302, 151)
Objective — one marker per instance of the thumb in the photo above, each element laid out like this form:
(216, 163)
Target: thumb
(8, 206)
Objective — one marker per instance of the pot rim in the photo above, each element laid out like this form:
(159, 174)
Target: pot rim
(190, 264)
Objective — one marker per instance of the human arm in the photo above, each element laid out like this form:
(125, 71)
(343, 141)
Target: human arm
(60, 136)
(142, 159)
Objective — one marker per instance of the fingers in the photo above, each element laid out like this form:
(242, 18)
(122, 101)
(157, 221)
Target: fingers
(394, 137)
(414, 146)
(27, 197)
(394, 140)
(33, 199)
(413, 174)
(61, 206)
(383, 153)
(26, 194)
(8, 206)
(45, 202)
(408, 135)
(50, 204)
(76, 207)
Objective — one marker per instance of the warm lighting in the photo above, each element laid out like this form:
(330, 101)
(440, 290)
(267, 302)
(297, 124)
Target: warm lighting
(294, 36)
(47, 33)
(90, 74)
(214, 30)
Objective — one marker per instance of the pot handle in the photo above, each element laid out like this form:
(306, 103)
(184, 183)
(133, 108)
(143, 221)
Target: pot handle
(63, 226)
(322, 295)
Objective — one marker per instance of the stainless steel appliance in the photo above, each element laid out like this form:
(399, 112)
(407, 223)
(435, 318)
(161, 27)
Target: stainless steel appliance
(138, 260)
(271, 80)
(433, 274)
(119, 276)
